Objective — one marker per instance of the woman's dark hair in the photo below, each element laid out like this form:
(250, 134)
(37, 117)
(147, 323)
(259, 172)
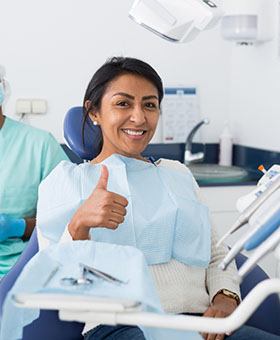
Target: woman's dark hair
(113, 68)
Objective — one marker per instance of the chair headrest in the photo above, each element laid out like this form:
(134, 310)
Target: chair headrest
(73, 124)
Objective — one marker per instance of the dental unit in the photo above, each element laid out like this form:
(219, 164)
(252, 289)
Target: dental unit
(262, 194)
(267, 217)
(264, 248)
(262, 224)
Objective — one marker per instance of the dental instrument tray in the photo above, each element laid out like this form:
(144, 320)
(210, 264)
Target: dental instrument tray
(75, 302)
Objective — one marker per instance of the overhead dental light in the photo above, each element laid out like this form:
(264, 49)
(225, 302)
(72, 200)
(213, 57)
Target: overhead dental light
(176, 20)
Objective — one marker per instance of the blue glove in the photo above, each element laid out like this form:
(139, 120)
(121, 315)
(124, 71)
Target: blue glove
(11, 227)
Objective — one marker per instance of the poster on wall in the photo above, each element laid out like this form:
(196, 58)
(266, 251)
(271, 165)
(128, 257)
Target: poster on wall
(180, 112)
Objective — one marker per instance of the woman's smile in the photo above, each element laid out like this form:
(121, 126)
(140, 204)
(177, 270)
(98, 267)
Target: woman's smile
(134, 134)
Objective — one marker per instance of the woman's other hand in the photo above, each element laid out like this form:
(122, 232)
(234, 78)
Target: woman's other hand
(221, 307)
(102, 209)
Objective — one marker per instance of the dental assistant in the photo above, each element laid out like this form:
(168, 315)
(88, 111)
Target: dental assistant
(120, 197)
(27, 155)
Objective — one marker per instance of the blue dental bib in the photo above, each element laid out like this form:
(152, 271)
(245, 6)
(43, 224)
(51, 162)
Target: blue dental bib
(164, 218)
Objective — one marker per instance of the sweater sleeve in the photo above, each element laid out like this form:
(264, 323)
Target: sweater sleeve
(217, 279)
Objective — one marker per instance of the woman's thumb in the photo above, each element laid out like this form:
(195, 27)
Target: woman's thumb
(103, 179)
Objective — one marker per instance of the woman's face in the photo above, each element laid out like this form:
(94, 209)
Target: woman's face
(128, 116)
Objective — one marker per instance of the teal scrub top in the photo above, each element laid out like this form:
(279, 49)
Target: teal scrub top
(27, 156)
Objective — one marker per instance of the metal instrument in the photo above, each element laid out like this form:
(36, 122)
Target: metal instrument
(84, 280)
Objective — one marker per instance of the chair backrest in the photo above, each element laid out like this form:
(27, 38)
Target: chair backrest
(87, 147)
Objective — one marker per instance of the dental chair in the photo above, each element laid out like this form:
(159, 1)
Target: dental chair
(49, 326)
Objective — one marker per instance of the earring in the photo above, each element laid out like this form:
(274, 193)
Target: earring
(95, 122)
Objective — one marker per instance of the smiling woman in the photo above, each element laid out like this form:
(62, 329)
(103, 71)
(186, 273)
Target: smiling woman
(126, 105)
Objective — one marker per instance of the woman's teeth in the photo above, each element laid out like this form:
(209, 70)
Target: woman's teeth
(134, 133)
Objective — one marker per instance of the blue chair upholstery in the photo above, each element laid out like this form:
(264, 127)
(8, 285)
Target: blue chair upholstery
(48, 326)
(73, 124)
(267, 316)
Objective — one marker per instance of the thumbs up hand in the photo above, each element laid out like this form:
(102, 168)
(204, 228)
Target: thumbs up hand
(102, 209)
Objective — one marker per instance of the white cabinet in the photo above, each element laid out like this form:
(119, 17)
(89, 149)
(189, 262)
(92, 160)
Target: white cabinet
(222, 205)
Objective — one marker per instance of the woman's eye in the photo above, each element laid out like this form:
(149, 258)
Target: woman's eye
(122, 103)
(151, 105)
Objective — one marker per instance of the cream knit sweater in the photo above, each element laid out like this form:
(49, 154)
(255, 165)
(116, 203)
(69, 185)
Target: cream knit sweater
(182, 288)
